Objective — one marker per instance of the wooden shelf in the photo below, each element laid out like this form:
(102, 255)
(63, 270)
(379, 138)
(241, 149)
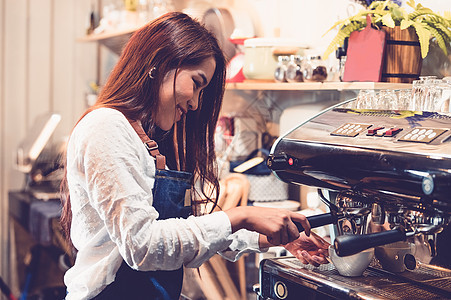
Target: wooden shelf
(308, 86)
(113, 40)
(106, 35)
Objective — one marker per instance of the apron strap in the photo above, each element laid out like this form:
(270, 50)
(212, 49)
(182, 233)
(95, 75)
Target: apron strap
(151, 145)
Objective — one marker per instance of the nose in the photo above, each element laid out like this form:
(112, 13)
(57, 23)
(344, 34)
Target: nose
(193, 103)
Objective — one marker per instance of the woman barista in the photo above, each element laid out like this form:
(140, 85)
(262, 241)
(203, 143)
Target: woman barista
(126, 212)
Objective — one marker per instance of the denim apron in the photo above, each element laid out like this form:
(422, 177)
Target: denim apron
(169, 193)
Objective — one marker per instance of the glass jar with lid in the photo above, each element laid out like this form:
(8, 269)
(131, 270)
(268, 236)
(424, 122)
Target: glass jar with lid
(294, 69)
(281, 70)
(315, 69)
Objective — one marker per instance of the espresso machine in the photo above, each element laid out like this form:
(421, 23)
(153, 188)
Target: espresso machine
(385, 176)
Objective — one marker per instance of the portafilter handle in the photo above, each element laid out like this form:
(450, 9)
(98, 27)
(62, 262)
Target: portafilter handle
(351, 244)
(320, 220)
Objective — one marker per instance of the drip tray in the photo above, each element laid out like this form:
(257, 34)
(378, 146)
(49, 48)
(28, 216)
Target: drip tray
(291, 276)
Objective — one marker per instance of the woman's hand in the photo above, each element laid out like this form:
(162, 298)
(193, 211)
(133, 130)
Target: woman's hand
(309, 249)
(274, 223)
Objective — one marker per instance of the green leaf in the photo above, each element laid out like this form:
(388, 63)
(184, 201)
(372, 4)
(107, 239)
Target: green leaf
(378, 5)
(445, 31)
(439, 39)
(339, 39)
(405, 15)
(420, 13)
(387, 20)
(411, 3)
(438, 20)
(397, 13)
(405, 24)
(424, 36)
(360, 18)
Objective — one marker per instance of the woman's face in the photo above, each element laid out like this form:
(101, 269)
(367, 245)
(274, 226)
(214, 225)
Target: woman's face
(190, 81)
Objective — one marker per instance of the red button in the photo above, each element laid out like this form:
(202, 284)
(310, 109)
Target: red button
(392, 131)
(290, 161)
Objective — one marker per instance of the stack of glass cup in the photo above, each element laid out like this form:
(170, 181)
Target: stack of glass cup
(427, 94)
(431, 94)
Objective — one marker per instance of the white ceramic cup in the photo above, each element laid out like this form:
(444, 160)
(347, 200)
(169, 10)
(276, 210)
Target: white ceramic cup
(352, 265)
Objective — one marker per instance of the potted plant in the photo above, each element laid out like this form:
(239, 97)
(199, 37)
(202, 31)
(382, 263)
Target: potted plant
(419, 23)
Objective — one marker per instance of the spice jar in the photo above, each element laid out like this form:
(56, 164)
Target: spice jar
(294, 69)
(315, 69)
(281, 69)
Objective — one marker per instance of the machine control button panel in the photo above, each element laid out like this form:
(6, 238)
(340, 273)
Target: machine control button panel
(383, 131)
(350, 129)
(422, 135)
(418, 134)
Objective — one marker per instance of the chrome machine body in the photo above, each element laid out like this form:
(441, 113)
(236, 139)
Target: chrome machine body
(391, 174)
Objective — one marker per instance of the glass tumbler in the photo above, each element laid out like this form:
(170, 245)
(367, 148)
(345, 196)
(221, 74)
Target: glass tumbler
(404, 99)
(365, 99)
(387, 100)
(441, 102)
(433, 94)
(418, 94)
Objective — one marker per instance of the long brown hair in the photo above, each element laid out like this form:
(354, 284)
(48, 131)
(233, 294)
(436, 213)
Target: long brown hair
(168, 43)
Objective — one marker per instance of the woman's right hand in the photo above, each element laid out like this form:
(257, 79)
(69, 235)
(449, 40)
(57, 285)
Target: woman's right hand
(309, 249)
(276, 224)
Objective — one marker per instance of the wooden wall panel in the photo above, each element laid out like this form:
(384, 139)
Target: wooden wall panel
(42, 68)
(85, 62)
(14, 69)
(15, 84)
(63, 46)
(3, 205)
(39, 57)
